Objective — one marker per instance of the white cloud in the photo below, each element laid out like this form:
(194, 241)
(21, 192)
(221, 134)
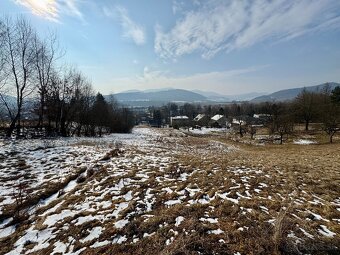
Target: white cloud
(177, 6)
(220, 25)
(108, 12)
(222, 81)
(52, 9)
(131, 29)
(72, 8)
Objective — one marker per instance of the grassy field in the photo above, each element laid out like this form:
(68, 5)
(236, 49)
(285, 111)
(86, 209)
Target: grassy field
(166, 191)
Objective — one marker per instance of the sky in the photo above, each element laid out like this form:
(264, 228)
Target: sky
(226, 46)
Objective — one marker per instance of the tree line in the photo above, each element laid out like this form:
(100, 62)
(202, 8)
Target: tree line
(58, 99)
(321, 107)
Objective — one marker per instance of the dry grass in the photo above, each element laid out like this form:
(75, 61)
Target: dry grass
(279, 191)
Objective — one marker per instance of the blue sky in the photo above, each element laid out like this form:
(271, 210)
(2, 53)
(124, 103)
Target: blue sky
(230, 47)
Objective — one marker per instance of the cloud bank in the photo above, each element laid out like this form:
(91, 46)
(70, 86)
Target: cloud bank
(220, 25)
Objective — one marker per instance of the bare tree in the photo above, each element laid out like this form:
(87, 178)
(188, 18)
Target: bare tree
(282, 121)
(28, 65)
(65, 95)
(2, 53)
(81, 101)
(330, 106)
(5, 101)
(53, 102)
(306, 106)
(68, 102)
(46, 53)
(19, 64)
(252, 131)
(237, 111)
(285, 125)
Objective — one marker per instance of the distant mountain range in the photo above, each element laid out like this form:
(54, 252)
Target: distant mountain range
(158, 97)
(213, 96)
(289, 94)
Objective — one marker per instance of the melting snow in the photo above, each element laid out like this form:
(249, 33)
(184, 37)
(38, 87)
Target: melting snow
(306, 233)
(172, 202)
(304, 142)
(33, 235)
(100, 244)
(107, 201)
(325, 231)
(54, 218)
(119, 239)
(224, 196)
(94, 233)
(216, 232)
(168, 190)
(179, 220)
(210, 220)
(60, 247)
(317, 216)
(121, 223)
(7, 231)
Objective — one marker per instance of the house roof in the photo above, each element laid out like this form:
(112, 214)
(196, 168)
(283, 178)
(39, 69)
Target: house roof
(180, 118)
(217, 117)
(261, 115)
(199, 117)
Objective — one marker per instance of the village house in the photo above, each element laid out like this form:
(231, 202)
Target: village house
(262, 118)
(218, 121)
(179, 121)
(201, 120)
(238, 121)
(255, 120)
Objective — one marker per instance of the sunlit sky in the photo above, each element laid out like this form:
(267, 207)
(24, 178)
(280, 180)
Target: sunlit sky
(230, 47)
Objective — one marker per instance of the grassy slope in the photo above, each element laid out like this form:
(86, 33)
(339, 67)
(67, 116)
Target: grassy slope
(263, 200)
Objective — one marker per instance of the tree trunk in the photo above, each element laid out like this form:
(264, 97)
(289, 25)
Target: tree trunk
(306, 125)
(12, 125)
(63, 127)
(92, 131)
(79, 130)
(18, 123)
(41, 112)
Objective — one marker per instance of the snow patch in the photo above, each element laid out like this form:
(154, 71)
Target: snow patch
(94, 233)
(179, 220)
(325, 231)
(304, 142)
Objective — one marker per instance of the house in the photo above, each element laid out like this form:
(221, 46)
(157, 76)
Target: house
(262, 118)
(179, 121)
(201, 120)
(218, 121)
(238, 121)
(256, 120)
